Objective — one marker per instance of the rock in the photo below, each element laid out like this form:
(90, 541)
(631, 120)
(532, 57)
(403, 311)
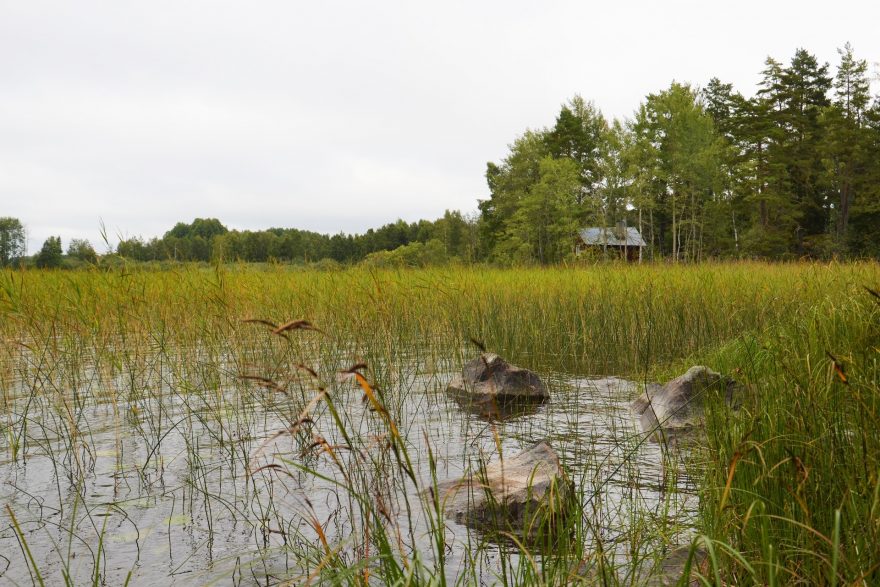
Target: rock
(489, 378)
(526, 494)
(672, 568)
(678, 406)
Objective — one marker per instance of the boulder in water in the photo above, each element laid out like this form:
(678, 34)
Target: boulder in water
(489, 378)
(526, 493)
(679, 406)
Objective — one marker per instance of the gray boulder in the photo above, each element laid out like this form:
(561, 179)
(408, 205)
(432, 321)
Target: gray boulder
(489, 378)
(679, 406)
(526, 494)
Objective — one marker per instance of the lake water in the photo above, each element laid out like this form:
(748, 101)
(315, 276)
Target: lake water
(160, 476)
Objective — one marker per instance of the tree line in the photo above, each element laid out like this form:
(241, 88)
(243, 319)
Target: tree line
(449, 238)
(792, 171)
(13, 248)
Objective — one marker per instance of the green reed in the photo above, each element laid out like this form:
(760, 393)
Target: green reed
(792, 487)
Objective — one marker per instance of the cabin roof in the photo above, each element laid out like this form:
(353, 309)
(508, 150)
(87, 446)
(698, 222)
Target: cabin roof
(612, 237)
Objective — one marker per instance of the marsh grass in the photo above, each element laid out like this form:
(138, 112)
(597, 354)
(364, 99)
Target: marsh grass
(792, 488)
(279, 407)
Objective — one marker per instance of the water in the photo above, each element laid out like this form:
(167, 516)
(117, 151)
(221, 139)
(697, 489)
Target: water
(160, 475)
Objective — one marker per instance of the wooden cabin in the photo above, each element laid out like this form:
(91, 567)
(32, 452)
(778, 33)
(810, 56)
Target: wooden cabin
(621, 241)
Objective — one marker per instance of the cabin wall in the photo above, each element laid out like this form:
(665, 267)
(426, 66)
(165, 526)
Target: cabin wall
(628, 253)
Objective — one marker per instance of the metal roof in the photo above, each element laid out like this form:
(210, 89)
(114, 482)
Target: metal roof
(611, 237)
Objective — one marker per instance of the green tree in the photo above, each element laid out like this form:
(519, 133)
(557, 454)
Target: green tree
(457, 234)
(847, 147)
(639, 162)
(544, 226)
(580, 134)
(12, 240)
(207, 228)
(509, 184)
(82, 249)
(610, 200)
(863, 231)
(805, 92)
(229, 247)
(729, 111)
(133, 248)
(774, 215)
(199, 248)
(194, 241)
(686, 173)
(50, 255)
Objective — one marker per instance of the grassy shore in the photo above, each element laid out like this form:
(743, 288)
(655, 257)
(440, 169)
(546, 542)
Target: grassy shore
(790, 489)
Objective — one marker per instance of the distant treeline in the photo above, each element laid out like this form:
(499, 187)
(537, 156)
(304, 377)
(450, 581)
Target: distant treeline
(450, 238)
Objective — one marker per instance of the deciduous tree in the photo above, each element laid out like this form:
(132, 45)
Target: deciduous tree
(50, 254)
(82, 249)
(12, 240)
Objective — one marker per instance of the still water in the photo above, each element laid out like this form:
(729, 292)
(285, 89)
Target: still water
(189, 484)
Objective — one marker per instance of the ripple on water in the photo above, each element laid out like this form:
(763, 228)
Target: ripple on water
(163, 478)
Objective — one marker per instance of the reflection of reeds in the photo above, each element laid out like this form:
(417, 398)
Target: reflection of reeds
(292, 430)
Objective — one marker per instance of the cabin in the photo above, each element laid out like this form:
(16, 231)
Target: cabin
(622, 241)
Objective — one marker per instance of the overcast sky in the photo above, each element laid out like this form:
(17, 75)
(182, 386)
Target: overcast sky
(338, 116)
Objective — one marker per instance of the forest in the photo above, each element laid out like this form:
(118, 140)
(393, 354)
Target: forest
(793, 171)
(703, 173)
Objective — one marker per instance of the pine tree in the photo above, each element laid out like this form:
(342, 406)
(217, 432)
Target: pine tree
(863, 231)
(805, 93)
(847, 145)
(773, 215)
(730, 111)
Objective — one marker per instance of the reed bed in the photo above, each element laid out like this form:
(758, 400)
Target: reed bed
(180, 390)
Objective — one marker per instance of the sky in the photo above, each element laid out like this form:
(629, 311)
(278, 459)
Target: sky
(338, 116)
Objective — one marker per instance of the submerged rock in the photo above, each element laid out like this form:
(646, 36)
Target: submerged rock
(489, 378)
(679, 406)
(672, 568)
(527, 494)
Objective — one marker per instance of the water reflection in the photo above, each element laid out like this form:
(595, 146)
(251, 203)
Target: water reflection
(497, 408)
